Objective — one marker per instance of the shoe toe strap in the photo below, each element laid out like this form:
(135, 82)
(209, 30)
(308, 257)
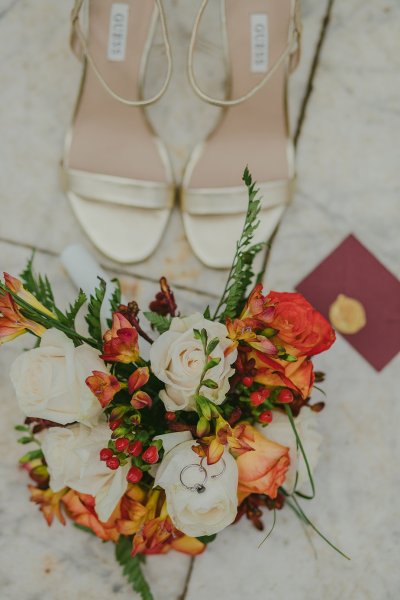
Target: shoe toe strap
(234, 200)
(118, 190)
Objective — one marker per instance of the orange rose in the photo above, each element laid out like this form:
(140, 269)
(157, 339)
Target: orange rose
(297, 376)
(263, 470)
(299, 324)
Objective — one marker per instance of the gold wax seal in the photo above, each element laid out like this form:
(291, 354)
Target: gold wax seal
(347, 315)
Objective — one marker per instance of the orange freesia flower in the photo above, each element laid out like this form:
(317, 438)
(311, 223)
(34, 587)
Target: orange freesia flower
(49, 503)
(121, 341)
(80, 508)
(15, 286)
(240, 330)
(138, 379)
(297, 376)
(262, 471)
(12, 321)
(104, 386)
(141, 399)
(132, 511)
(258, 311)
(213, 447)
(159, 535)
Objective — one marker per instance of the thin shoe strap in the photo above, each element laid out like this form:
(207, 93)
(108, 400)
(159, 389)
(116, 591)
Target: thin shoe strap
(77, 35)
(292, 48)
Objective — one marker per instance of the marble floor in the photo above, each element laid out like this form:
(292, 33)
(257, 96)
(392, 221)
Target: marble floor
(344, 113)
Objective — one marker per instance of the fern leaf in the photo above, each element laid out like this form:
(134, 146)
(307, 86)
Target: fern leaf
(37, 285)
(68, 319)
(158, 322)
(131, 567)
(241, 273)
(115, 299)
(94, 309)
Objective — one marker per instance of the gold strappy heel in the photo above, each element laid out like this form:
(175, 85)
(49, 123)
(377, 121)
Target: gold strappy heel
(115, 171)
(263, 39)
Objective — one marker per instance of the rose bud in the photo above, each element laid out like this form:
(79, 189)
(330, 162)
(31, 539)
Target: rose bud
(121, 444)
(135, 448)
(113, 463)
(106, 453)
(150, 455)
(247, 381)
(134, 475)
(259, 396)
(285, 396)
(170, 416)
(265, 417)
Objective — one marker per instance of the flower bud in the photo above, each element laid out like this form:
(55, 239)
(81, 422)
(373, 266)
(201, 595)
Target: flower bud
(135, 448)
(121, 444)
(150, 455)
(134, 475)
(113, 463)
(106, 453)
(285, 396)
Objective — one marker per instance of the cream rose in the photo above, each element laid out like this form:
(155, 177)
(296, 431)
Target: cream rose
(72, 456)
(193, 513)
(177, 359)
(280, 431)
(49, 381)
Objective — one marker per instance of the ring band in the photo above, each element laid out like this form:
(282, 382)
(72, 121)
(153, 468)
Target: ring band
(197, 487)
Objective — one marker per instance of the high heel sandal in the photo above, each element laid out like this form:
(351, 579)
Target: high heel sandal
(264, 44)
(115, 171)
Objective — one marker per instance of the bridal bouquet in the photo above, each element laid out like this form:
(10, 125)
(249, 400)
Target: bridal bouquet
(164, 452)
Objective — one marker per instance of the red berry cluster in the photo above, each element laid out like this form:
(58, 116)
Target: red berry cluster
(263, 399)
(125, 446)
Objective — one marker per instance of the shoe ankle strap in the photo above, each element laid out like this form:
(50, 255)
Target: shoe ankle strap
(79, 45)
(291, 53)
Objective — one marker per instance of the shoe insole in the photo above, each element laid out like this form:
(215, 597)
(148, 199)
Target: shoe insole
(254, 132)
(109, 137)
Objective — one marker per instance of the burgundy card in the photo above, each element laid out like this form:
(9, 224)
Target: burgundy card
(352, 270)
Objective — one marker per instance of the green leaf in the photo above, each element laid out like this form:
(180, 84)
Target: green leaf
(131, 567)
(241, 273)
(297, 509)
(202, 336)
(270, 531)
(209, 383)
(21, 428)
(37, 285)
(212, 363)
(115, 299)
(212, 345)
(68, 318)
(207, 313)
(32, 455)
(158, 322)
(300, 445)
(207, 539)
(94, 309)
(25, 440)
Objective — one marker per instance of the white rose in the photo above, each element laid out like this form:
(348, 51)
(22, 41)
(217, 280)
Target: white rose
(178, 359)
(72, 456)
(49, 381)
(193, 513)
(281, 431)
